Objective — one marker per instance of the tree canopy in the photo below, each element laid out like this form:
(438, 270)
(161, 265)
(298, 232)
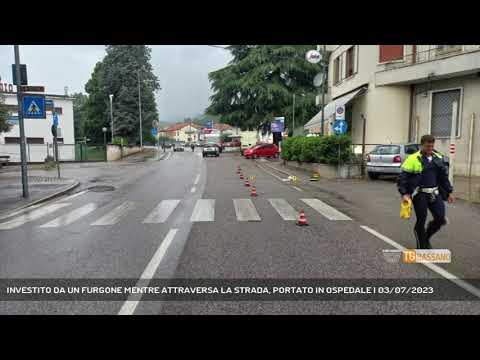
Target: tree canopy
(79, 114)
(118, 74)
(4, 125)
(259, 83)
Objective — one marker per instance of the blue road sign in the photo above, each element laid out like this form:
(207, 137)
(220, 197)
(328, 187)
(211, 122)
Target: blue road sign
(278, 125)
(34, 107)
(55, 119)
(340, 127)
(154, 132)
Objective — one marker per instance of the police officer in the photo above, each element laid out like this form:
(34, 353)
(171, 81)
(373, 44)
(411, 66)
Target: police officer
(424, 179)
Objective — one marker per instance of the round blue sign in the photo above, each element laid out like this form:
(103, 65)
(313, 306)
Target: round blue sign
(340, 127)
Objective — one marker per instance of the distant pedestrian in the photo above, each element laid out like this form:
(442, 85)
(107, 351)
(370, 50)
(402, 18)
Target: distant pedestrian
(424, 180)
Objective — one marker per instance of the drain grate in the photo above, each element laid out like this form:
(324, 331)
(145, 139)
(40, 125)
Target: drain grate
(101, 188)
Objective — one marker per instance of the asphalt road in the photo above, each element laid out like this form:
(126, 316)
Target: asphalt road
(192, 218)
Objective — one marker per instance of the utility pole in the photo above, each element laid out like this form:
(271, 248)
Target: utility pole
(140, 108)
(21, 124)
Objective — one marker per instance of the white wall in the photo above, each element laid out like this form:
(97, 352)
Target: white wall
(38, 152)
(42, 127)
(367, 56)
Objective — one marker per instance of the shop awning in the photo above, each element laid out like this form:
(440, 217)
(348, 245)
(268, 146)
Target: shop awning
(329, 109)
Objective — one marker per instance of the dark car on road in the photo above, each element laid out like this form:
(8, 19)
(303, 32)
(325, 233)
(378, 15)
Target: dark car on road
(210, 150)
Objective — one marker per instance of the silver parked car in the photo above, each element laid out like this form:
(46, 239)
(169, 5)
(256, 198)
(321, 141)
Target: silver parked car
(388, 159)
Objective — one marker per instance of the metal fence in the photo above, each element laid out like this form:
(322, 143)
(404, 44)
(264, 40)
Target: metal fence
(435, 53)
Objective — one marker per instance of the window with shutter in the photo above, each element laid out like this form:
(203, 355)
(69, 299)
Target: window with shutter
(390, 53)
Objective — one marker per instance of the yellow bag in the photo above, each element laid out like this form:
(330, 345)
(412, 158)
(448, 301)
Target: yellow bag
(406, 209)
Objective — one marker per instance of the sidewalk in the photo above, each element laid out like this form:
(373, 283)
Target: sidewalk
(40, 187)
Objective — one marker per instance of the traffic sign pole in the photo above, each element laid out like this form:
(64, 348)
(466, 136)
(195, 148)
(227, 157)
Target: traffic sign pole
(23, 153)
(55, 142)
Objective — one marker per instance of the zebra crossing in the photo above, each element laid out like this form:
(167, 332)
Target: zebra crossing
(203, 211)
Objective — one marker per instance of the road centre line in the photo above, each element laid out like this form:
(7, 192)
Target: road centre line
(129, 306)
(435, 268)
(197, 179)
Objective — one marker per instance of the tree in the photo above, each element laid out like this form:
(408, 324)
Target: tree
(4, 125)
(259, 84)
(79, 114)
(97, 114)
(117, 74)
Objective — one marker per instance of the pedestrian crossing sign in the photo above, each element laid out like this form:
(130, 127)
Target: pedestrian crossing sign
(34, 107)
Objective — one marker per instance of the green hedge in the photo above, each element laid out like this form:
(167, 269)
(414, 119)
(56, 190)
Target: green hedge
(326, 149)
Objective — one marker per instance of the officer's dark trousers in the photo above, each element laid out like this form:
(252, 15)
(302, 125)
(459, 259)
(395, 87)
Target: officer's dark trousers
(421, 202)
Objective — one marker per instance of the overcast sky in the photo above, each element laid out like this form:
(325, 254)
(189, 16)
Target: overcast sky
(182, 71)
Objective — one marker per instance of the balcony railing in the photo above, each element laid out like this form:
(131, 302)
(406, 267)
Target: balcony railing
(437, 53)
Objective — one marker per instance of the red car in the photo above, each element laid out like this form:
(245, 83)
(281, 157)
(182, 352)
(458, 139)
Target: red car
(262, 150)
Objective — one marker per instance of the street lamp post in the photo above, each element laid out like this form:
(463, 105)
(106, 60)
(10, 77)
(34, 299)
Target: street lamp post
(104, 130)
(140, 108)
(293, 117)
(111, 114)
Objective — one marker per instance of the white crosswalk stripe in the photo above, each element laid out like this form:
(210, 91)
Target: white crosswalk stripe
(245, 210)
(204, 210)
(161, 213)
(72, 216)
(284, 209)
(326, 210)
(116, 214)
(31, 216)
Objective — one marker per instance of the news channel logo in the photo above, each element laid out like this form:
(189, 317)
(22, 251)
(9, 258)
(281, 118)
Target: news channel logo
(414, 256)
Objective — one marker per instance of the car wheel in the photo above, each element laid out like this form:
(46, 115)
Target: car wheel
(373, 176)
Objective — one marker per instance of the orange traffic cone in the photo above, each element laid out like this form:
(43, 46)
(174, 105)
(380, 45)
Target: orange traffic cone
(253, 191)
(302, 220)
(247, 183)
